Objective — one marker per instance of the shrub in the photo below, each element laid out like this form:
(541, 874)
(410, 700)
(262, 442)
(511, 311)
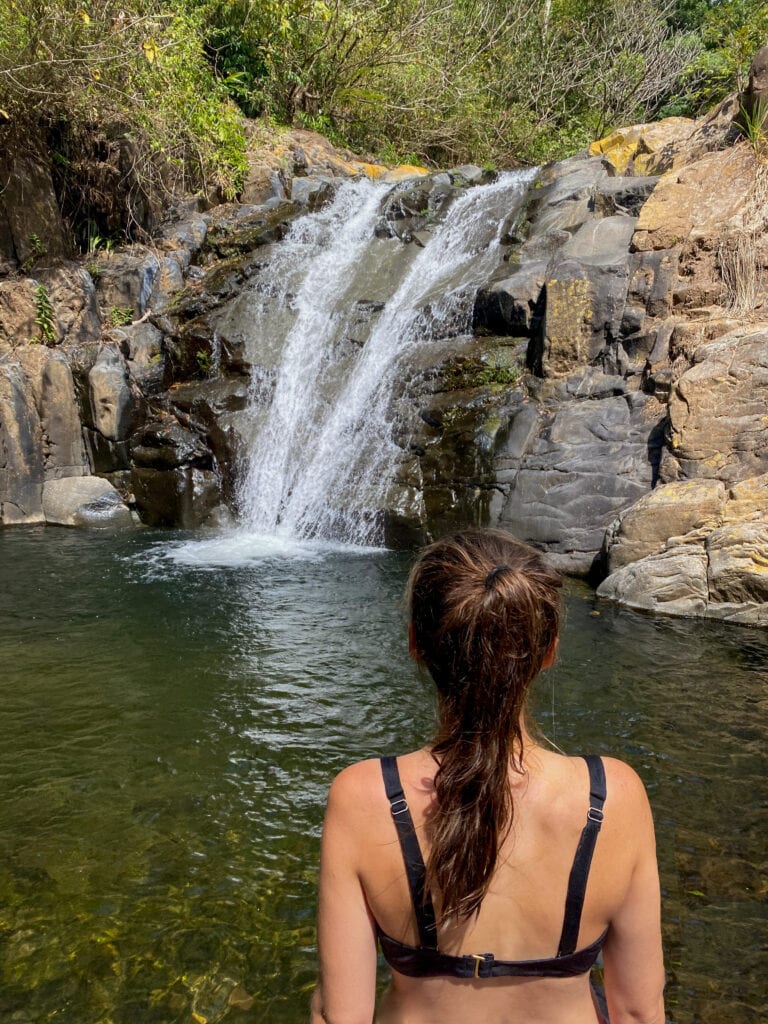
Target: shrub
(122, 85)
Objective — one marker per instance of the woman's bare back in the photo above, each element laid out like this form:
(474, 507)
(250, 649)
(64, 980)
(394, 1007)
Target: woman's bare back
(521, 916)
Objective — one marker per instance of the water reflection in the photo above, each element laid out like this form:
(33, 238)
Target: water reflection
(170, 730)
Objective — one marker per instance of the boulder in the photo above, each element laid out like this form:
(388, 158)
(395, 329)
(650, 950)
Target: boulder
(696, 202)
(592, 459)
(73, 296)
(124, 283)
(755, 97)
(30, 206)
(111, 399)
(84, 501)
(586, 289)
(716, 541)
(52, 388)
(17, 314)
(718, 410)
(169, 281)
(634, 150)
(564, 196)
(673, 582)
(622, 195)
(738, 564)
(512, 303)
(187, 234)
(670, 510)
(747, 500)
(21, 450)
(165, 444)
(267, 177)
(185, 496)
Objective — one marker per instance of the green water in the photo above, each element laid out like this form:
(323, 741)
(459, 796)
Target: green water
(169, 727)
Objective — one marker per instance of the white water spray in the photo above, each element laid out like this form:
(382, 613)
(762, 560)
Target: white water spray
(323, 460)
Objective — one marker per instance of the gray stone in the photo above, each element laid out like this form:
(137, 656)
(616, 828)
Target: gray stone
(187, 234)
(84, 501)
(142, 346)
(183, 497)
(469, 173)
(586, 289)
(165, 444)
(312, 192)
(622, 195)
(110, 394)
(593, 383)
(52, 387)
(653, 278)
(21, 442)
(671, 510)
(593, 459)
(169, 280)
(73, 297)
(513, 300)
(673, 582)
(30, 207)
(564, 199)
(126, 282)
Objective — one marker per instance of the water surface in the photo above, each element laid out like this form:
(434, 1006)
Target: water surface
(171, 715)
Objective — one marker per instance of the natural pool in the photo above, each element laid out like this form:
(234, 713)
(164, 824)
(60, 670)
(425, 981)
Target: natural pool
(169, 728)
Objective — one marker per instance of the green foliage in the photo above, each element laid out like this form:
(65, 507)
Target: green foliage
(45, 316)
(730, 31)
(37, 250)
(449, 82)
(134, 69)
(499, 371)
(120, 316)
(161, 85)
(204, 362)
(753, 124)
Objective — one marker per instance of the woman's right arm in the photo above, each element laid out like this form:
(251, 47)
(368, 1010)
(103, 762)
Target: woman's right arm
(632, 954)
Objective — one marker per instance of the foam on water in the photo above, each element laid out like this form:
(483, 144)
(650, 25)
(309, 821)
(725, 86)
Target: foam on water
(242, 548)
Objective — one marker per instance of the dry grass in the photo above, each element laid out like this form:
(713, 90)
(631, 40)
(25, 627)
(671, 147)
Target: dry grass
(741, 252)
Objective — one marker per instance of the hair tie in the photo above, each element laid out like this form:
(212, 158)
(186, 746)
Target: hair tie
(490, 579)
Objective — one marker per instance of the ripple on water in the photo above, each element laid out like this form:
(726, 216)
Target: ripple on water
(172, 714)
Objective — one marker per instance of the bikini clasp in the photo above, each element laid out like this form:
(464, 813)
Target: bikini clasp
(481, 958)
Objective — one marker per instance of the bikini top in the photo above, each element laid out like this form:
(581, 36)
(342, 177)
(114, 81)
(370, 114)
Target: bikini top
(426, 960)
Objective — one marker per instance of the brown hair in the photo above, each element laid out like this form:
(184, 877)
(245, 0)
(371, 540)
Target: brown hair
(484, 612)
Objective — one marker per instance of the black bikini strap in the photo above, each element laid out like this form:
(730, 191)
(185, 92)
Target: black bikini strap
(577, 882)
(409, 844)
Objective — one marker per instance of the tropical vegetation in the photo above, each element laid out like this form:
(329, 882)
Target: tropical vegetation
(162, 86)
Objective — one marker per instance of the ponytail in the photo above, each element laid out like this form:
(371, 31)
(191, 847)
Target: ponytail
(484, 610)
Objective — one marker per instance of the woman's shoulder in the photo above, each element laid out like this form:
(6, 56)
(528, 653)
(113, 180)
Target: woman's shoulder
(568, 784)
(359, 788)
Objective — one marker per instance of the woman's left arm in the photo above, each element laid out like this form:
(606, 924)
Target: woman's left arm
(346, 930)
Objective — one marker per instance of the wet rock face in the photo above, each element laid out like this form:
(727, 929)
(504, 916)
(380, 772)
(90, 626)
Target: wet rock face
(588, 459)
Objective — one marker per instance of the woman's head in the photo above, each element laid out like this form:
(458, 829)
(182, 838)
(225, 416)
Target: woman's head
(484, 609)
(484, 617)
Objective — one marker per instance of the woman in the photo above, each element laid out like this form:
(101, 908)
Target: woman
(539, 858)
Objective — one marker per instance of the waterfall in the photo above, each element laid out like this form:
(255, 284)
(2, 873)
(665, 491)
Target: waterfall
(322, 460)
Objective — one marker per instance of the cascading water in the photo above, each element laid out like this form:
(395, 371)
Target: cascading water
(323, 458)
